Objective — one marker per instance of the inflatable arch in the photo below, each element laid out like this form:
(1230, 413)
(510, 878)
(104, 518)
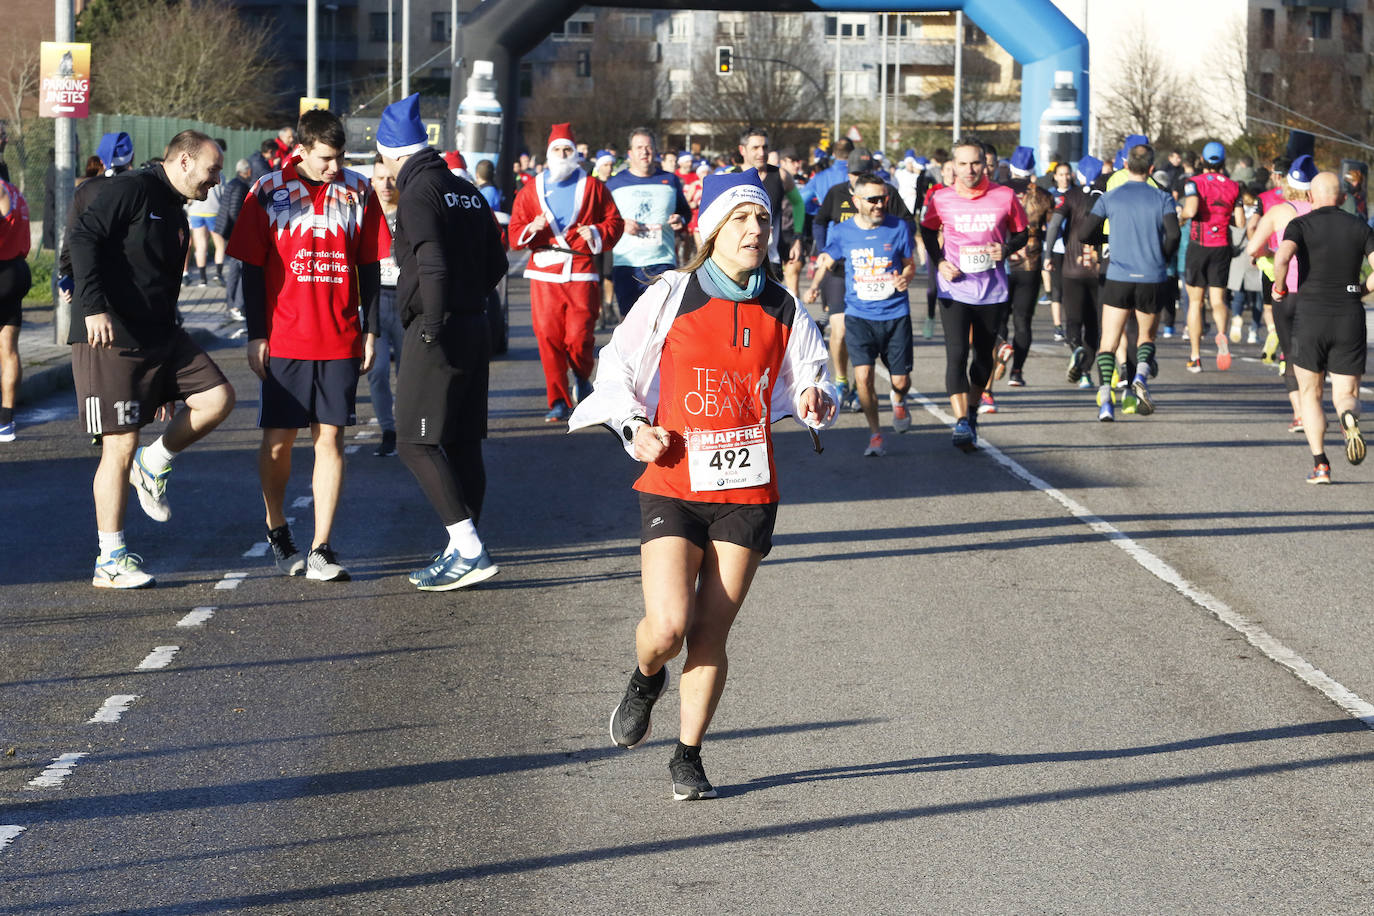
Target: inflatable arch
(1034, 32)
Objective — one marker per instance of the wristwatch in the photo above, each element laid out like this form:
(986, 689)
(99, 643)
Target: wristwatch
(428, 338)
(632, 426)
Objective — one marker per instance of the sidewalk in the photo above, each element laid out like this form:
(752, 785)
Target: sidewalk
(48, 366)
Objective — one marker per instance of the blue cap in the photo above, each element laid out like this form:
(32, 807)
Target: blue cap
(1301, 173)
(1089, 167)
(922, 161)
(1022, 161)
(401, 131)
(116, 150)
(1135, 140)
(1119, 161)
(1214, 153)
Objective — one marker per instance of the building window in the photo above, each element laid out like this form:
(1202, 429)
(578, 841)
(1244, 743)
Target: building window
(1266, 85)
(637, 25)
(854, 83)
(1352, 32)
(680, 27)
(577, 27)
(376, 27)
(679, 81)
(850, 25)
(974, 35)
(1319, 22)
(439, 28)
(731, 26)
(584, 63)
(785, 26)
(1356, 89)
(1266, 29)
(526, 80)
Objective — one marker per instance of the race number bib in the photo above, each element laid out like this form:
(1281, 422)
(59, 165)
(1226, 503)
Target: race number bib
(977, 259)
(390, 272)
(726, 459)
(873, 285)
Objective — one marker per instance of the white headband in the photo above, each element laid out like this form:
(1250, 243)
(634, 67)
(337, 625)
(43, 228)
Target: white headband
(713, 214)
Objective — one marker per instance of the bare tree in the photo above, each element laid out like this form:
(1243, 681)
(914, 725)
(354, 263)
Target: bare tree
(1147, 95)
(184, 59)
(18, 88)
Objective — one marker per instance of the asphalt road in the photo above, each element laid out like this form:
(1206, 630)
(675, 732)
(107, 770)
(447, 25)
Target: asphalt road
(1014, 681)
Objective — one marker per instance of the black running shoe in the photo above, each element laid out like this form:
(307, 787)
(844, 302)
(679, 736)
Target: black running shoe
(285, 552)
(630, 721)
(387, 447)
(689, 777)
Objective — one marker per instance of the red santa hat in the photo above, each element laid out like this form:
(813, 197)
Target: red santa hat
(561, 134)
(455, 160)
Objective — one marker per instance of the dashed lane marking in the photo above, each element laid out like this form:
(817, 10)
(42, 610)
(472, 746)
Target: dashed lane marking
(197, 617)
(56, 772)
(231, 580)
(113, 708)
(302, 502)
(9, 833)
(351, 449)
(258, 550)
(160, 657)
(1256, 635)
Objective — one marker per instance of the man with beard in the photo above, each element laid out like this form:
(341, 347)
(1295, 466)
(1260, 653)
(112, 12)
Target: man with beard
(565, 218)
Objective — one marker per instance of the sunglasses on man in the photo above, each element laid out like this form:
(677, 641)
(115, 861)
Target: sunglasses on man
(878, 199)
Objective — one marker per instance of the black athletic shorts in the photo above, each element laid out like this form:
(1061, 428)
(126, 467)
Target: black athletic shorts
(120, 390)
(832, 293)
(441, 390)
(1205, 266)
(15, 282)
(299, 392)
(1329, 342)
(746, 524)
(871, 339)
(1147, 298)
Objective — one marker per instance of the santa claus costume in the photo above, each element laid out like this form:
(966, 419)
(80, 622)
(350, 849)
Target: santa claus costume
(564, 217)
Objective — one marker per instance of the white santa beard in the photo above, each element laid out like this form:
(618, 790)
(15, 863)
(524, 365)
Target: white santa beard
(560, 169)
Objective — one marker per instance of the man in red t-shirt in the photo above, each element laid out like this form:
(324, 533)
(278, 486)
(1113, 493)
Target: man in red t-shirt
(311, 237)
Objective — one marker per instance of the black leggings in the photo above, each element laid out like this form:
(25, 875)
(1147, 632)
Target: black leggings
(1284, 311)
(1024, 288)
(1082, 325)
(451, 476)
(932, 291)
(958, 319)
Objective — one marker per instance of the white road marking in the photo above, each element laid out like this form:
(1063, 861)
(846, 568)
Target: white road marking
(114, 707)
(1256, 635)
(231, 580)
(351, 449)
(43, 415)
(258, 550)
(302, 502)
(197, 617)
(160, 657)
(57, 771)
(9, 833)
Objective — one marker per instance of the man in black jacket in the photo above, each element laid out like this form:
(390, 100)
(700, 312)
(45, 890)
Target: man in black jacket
(130, 357)
(448, 253)
(116, 152)
(230, 203)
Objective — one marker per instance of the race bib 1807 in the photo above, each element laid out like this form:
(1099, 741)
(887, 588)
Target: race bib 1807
(976, 259)
(726, 459)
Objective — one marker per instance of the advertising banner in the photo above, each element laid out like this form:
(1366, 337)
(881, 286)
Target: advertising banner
(65, 87)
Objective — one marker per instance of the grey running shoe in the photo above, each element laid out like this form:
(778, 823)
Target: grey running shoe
(455, 571)
(285, 551)
(323, 566)
(689, 777)
(630, 722)
(151, 489)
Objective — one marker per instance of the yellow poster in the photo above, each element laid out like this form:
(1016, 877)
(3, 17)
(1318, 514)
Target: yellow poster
(309, 104)
(65, 87)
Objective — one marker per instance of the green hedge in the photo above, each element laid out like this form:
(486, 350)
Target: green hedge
(41, 266)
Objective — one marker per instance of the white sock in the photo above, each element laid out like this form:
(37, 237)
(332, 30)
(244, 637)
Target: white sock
(156, 457)
(463, 537)
(110, 541)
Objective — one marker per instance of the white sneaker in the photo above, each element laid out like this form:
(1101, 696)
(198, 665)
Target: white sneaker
(901, 418)
(875, 447)
(120, 569)
(323, 566)
(151, 489)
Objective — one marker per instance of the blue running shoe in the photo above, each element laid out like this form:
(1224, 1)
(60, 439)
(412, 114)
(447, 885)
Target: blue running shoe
(582, 387)
(559, 413)
(454, 571)
(1106, 413)
(965, 436)
(7, 432)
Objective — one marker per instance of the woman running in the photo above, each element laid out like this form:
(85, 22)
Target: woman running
(712, 352)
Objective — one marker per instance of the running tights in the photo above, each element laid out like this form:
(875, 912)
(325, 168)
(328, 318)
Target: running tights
(1284, 311)
(452, 477)
(1082, 325)
(960, 322)
(1024, 287)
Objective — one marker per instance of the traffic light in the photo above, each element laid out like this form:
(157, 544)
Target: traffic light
(724, 53)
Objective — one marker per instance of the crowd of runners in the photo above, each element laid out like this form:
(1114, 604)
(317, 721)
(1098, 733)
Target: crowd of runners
(702, 270)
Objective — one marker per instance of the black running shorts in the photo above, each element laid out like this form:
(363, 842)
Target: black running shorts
(870, 339)
(119, 391)
(15, 282)
(300, 392)
(748, 525)
(1146, 298)
(441, 390)
(1205, 266)
(1329, 342)
(832, 293)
